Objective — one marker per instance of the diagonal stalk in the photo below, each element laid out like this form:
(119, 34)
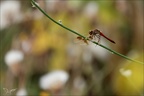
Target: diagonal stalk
(112, 51)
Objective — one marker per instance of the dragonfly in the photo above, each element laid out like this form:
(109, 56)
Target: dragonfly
(97, 33)
(93, 35)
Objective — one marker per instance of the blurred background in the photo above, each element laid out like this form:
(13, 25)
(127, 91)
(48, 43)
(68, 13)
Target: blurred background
(40, 58)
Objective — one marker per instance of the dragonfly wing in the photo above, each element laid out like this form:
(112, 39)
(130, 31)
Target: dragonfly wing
(81, 42)
(98, 37)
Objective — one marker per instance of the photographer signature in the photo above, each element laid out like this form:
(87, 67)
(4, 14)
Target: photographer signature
(8, 92)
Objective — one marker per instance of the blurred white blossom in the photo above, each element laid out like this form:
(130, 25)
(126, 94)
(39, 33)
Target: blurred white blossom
(21, 92)
(126, 73)
(9, 12)
(13, 56)
(54, 80)
(91, 9)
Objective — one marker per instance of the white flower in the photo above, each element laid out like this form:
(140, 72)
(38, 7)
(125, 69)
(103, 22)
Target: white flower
(21, 92)
(91, 9)
(126, 73)
(13, 56)
(10, 12)
(54, 80)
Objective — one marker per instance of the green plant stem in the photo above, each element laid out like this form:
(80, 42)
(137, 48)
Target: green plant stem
(112, 51)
